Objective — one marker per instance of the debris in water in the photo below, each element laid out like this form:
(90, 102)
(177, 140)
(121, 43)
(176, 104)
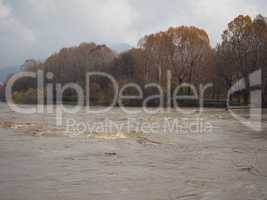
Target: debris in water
(143, 140)
(110, 154)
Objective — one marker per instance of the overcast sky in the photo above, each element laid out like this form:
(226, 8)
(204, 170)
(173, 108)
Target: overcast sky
(37, 28)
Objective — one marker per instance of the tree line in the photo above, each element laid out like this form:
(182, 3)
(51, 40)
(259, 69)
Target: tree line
(184, 51)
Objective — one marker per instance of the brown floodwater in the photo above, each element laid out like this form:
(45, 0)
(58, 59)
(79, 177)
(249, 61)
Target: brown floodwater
(222, 159)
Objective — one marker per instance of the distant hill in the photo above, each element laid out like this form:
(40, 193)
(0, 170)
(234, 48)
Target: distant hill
(120, 47)
(260, 17)
(4, 72)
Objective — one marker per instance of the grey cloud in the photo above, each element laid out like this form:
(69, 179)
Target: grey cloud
(34, 29)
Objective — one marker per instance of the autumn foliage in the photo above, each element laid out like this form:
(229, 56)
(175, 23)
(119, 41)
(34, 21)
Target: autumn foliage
(184, 51)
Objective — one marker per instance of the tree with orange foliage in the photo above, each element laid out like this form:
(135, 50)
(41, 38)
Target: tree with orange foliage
(185, 51)
(243, 50)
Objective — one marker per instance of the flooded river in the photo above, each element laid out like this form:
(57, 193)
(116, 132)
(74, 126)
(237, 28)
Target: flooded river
(114, 155)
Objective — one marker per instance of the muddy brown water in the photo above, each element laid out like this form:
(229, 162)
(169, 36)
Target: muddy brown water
(39, 160)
